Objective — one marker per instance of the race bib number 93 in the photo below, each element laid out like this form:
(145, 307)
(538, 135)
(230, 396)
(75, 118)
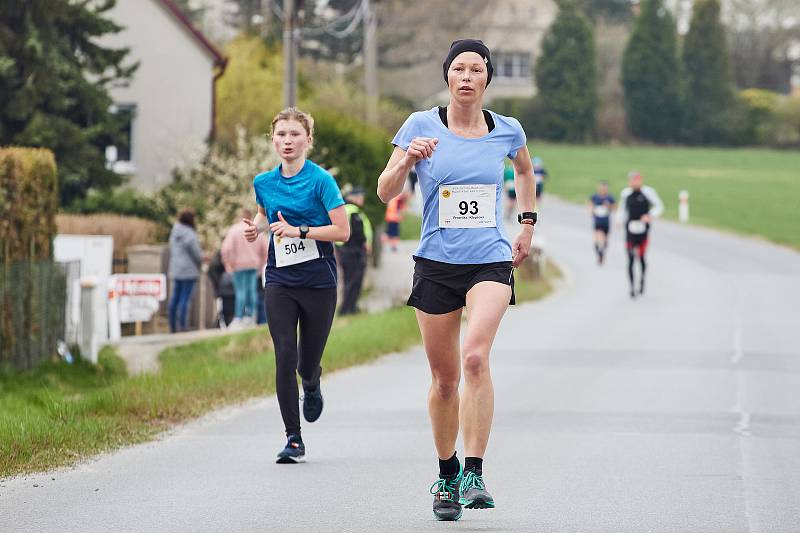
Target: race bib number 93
(467, 206)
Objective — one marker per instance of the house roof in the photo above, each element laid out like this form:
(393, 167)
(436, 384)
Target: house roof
(202, 40)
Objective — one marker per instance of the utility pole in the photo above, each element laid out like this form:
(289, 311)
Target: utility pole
(290, 8)
(266, 18)
(371, 62)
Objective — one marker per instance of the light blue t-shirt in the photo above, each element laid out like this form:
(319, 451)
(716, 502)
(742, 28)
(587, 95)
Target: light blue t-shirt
(304, 198)
(461, 161)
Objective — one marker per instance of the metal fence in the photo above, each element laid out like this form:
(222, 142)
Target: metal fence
(33, 298)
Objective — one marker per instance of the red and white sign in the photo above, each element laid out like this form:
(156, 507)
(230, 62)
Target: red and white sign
(134, 298)
(152, 285)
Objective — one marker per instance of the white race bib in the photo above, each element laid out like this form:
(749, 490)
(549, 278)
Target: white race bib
(636, 227)
(294, 250)
(467, 206)
(601, 211)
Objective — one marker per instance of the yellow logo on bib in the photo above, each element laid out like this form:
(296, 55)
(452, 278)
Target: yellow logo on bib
(445, 193)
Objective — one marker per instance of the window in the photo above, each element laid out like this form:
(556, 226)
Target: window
(513, 65)
(119, 156)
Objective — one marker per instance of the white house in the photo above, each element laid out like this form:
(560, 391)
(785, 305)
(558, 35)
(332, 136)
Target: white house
(170, 100)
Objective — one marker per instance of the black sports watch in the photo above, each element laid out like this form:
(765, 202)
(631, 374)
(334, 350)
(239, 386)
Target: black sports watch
(303, 230)
(528, 215)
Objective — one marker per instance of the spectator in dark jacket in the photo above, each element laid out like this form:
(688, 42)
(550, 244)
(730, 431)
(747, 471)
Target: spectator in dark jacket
(185, 258)
(223, 289)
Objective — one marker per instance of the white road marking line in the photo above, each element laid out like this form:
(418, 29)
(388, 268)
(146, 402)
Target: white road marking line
(738, 351)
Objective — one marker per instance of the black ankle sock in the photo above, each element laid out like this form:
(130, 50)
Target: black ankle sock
(474, 464)
(449, 467)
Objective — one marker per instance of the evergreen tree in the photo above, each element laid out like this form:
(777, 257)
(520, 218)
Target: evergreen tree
(709, 86)
(566, 77)
(651, 75)
(53, 87)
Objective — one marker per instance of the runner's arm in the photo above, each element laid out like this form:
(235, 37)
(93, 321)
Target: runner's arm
(525, 185)
(259, 224)
(658, 206)
(524, 182)
(393, 178)
(338, 230)
(622, 211)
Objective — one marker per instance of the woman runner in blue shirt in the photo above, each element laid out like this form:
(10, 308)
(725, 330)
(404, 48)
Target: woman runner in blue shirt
(464, 258)
(301, 204)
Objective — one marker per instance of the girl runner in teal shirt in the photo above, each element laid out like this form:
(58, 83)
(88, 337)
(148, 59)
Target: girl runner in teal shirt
(304, 210)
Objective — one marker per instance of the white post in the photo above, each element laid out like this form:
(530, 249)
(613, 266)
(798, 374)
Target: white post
(683, 206)
(114, 325)
(93, 318)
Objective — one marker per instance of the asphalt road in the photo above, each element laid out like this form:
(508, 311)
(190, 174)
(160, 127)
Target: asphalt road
(679, 411)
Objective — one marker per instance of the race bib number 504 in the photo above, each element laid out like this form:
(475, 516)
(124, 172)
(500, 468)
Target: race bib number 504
(294, 250)
(467, 206)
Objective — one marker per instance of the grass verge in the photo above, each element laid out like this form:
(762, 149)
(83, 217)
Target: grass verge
(58, 413)
(527, 290)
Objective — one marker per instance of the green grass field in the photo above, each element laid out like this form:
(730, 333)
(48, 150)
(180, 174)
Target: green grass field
(751, 191)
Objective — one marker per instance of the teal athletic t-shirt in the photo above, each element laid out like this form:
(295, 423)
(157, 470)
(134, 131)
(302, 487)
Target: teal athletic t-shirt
(304, 198)
(461, 161)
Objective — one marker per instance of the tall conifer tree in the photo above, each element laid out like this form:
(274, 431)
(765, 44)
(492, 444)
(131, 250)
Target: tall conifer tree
(651, 75)
(566, 76)
(54, 78)
(709, 85)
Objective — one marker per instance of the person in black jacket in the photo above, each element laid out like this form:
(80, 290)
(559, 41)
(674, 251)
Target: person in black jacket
(353, 253)
(223, 289)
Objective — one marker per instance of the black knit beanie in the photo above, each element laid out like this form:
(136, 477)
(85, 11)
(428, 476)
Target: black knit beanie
(469, 45)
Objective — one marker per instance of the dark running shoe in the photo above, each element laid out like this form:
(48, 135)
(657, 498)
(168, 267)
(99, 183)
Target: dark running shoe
(312, 404)
(294, 452)
(473, 492)
(445, 498)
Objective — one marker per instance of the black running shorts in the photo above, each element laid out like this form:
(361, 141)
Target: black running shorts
(440, 288)
(602, 225)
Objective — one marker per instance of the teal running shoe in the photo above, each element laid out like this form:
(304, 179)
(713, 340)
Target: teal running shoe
(473, 492)
(446, 504)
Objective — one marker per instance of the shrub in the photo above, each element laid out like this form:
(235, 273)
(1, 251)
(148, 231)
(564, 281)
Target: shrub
(249, 94)
(122, 201)
(28, 203)
(32, 290)
(757, 109)
(332, 92)
(353, 152)
(787, 123)
(529, 112)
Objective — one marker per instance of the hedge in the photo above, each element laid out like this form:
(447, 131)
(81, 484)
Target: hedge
(28, 203)
(32, 287)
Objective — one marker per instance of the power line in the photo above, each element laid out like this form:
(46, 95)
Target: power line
(354, 16)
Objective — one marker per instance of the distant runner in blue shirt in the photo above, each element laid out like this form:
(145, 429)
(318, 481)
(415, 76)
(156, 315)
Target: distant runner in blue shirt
(300, 203)
(602, 205)
(465, 258)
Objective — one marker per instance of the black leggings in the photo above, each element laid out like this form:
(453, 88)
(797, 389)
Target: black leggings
(313, 309)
